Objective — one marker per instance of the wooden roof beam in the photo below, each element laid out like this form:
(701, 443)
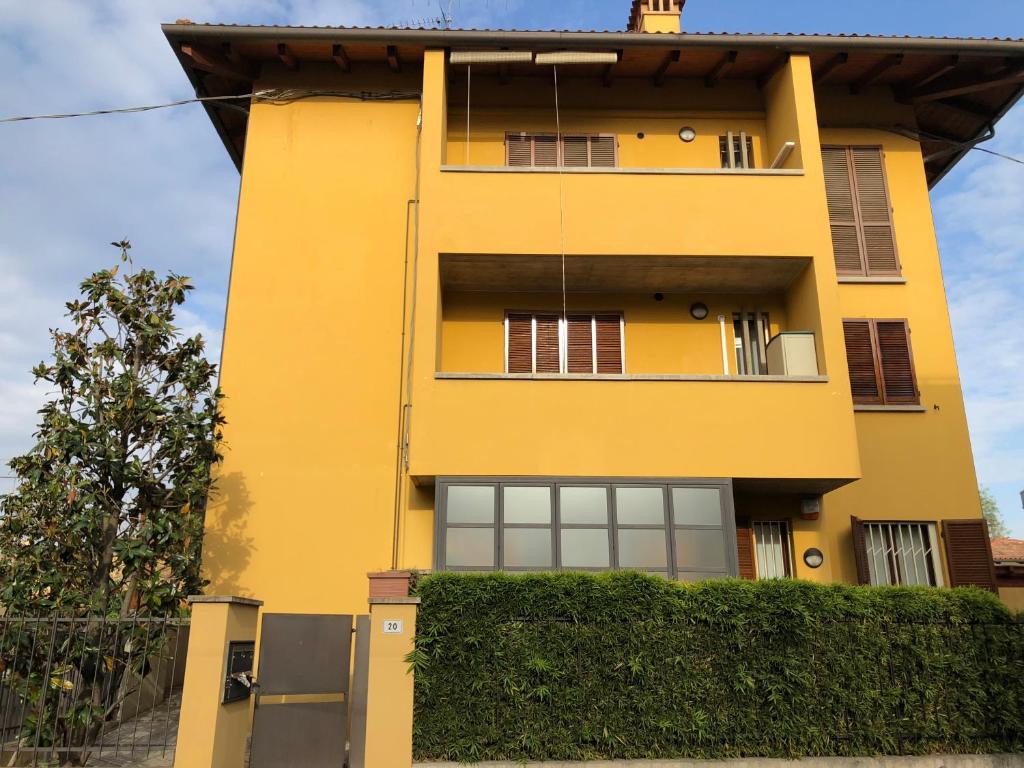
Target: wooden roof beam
(948, 65)
(963, 86)
(967, 107)
(341, 58)
(393, 61)
(215, 64)
(659, 74)
(286, 57)
(718, 71)
(881, 67)
(609, 71)
(830, 66)
(773, 69)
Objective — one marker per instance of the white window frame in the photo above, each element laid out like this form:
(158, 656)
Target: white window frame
(876, 545)
(563, 337)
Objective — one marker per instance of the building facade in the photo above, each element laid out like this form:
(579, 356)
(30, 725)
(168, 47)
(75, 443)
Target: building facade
(530, 301)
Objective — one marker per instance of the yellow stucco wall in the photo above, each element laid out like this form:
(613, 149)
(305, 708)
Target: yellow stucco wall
(317, 330)
(312, 349)
(659, 336)
(917, 466)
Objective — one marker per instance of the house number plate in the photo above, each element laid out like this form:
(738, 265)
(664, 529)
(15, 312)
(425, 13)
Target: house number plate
(392, 626)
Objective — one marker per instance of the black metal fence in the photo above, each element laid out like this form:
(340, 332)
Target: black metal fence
(82, 691)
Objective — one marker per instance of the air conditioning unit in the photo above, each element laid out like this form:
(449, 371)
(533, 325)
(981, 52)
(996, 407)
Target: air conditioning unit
(792, 353)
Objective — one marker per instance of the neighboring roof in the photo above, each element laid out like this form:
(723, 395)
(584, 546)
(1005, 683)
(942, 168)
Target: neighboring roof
(959, 87)
(1007, 550)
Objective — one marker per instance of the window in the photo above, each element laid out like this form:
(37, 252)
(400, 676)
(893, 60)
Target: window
(742, 155)
(773, 549)
(547, 150)
(751, 334)
(859, 212)
(681, 530)
(880, 362)
(898, 553)
(580, 343)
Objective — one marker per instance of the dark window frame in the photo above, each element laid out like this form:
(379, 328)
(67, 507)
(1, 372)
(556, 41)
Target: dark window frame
(673, 569)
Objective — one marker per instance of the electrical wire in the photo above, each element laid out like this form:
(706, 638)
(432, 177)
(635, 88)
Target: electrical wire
(269, 95)
(560, 162)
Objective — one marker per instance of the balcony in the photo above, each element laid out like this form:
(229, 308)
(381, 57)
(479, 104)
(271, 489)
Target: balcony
(695, 394)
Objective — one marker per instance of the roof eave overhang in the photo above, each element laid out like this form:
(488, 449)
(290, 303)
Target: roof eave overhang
(445, 38)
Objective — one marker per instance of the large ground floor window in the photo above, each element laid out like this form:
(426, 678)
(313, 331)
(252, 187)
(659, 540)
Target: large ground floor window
(902, 553)
(683, 529)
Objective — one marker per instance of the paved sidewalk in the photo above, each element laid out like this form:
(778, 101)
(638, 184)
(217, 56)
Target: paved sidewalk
(147, 741)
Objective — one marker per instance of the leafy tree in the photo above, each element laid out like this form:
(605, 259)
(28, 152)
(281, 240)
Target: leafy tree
(990, 509)
(107, 513)
(106, 519)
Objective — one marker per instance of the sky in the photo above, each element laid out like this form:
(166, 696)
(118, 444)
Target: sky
(163, 180)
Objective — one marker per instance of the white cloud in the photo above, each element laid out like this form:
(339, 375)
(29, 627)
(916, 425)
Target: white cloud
(978, 211)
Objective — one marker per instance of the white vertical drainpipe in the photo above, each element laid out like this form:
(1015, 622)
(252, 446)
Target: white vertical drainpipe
(725, 346)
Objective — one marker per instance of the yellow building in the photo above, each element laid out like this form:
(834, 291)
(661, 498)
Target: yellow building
(539, 300)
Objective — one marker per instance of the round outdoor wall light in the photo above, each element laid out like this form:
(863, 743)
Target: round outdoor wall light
(699, 310)
(687, 134)
(813, 557)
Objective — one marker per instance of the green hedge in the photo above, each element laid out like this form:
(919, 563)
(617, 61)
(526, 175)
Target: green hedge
(623, 665)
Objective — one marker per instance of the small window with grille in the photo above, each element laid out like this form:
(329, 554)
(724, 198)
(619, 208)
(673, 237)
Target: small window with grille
(742, 150)
(902, 554)
(773, 550)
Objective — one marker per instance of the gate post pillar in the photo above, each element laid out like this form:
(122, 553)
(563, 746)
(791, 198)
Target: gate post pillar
(389, 700)
(211, 734)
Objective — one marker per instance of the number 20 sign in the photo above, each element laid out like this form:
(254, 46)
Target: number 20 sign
(392, 626)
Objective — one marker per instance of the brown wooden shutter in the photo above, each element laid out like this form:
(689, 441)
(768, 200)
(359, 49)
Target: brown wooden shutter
(520, 343)
(580, 344)
(575, 152)
(745, 549)
(860, 359)
(860, 551)
(547, 344)
(609, 343)
(895, 362)
(518, 149)
(602, 151)
(874, 211)
(545, 151)
(969, 554)
(842, 210)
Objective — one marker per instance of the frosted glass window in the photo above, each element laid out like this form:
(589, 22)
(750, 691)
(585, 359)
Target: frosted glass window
(642, 548)
(697, 506)
(471, 504)
(580, 506)
(700, 548)
(640, 506)
(469, 548)
(524, 504)
(585, 548)
(528, 548)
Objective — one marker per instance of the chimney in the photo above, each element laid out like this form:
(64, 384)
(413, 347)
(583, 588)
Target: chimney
(655, 15)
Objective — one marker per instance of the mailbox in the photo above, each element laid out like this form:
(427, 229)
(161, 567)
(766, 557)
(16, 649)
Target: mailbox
(238, 678)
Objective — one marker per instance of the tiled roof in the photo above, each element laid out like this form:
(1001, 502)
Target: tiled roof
(392, 28)
(1008, 550)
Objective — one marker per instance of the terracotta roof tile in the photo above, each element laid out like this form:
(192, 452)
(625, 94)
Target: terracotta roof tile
(1006, 549)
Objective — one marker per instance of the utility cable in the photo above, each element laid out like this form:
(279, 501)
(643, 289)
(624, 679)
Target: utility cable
(559, 161)
(269, 95)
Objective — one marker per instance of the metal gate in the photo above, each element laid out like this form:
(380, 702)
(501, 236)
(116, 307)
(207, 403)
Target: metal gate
(302, 691)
